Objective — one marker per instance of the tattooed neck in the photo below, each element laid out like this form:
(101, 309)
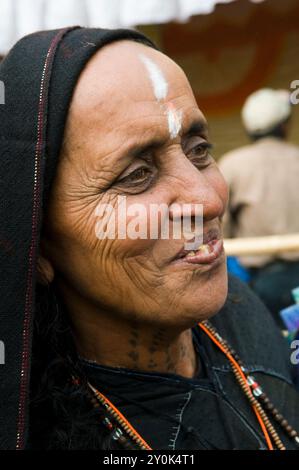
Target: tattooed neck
(154, 351)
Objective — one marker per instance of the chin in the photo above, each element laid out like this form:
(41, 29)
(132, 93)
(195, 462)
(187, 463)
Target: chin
(204, 297)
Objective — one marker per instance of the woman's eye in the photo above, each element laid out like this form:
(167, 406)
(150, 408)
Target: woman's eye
(200, 154)
(138, 176)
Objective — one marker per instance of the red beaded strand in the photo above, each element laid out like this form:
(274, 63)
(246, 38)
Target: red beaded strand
(259, 395)
(248, 384)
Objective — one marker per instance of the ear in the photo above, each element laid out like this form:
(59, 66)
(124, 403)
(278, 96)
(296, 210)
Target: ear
(45, 270)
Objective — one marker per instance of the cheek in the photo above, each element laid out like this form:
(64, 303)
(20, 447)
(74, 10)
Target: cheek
(140, 222)
(219, 184)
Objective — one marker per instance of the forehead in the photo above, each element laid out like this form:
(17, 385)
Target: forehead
(117, 81)
(122, 66)
(115, 107)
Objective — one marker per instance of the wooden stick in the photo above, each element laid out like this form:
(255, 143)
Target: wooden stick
(270, 245)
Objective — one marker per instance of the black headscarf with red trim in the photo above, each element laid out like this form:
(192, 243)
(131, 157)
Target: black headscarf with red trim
(39, 76)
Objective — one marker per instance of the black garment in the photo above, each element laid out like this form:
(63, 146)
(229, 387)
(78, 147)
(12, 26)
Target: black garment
(209, 411)
(39, 75)
(273, 283)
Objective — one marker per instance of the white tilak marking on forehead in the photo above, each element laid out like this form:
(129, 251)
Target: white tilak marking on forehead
(160, 87)
(157, 78)
(174, 118)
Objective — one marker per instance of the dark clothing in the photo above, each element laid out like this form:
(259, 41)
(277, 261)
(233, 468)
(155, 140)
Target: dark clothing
(273, 283)
(209, 411)
(39, 73)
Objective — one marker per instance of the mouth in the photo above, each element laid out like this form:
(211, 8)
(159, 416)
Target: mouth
(207, 253)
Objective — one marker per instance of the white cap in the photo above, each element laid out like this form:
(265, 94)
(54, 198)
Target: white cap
(265, 109)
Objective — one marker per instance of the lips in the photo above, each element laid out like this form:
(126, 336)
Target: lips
(207, 253)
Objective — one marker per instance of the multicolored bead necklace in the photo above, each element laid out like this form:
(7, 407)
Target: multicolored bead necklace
(123, 431)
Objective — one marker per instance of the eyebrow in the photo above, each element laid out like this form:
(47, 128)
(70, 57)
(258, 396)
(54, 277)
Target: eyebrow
(197, 127)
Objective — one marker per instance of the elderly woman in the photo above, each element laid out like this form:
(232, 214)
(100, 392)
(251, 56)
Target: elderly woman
(122, 342)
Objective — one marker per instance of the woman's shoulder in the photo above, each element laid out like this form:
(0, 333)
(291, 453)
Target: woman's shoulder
(245, 322)
(245, 308)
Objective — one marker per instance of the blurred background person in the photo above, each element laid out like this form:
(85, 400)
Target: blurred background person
(263, 180)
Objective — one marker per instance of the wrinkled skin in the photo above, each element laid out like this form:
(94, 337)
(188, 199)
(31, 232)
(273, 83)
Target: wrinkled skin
(130, 306)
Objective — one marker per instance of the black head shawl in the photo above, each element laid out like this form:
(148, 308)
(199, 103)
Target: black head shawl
(39, 75)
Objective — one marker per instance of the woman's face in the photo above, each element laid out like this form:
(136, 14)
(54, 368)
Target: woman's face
(134, 130)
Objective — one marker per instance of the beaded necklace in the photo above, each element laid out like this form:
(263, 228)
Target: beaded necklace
(123, 431)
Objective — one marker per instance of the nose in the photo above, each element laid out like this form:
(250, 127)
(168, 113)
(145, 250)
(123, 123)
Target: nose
(193, 186)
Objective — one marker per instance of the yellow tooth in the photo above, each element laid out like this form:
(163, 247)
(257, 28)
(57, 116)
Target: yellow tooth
(204, 249)
(191, 253)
